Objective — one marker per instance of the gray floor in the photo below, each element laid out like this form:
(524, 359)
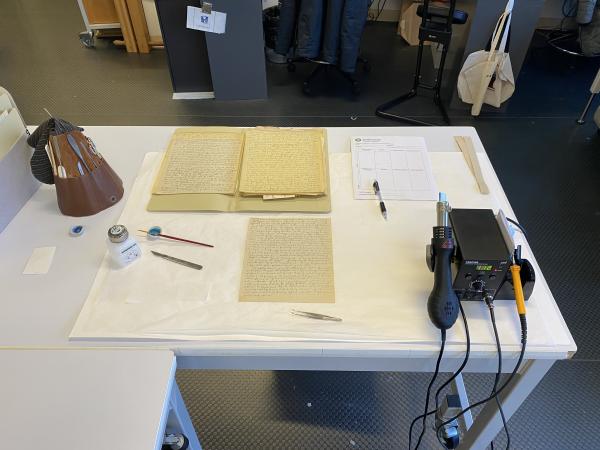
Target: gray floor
(373, 410)
(549, 167)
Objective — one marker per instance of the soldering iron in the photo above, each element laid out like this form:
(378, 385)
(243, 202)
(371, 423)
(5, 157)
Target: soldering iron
(473, 257)
(442, 304)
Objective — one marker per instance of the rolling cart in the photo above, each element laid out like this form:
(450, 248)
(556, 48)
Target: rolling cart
(97, 15)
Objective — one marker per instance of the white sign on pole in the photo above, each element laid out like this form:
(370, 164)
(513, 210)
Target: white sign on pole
(213, 22)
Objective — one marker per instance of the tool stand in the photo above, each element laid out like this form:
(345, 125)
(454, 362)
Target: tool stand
(436, 26)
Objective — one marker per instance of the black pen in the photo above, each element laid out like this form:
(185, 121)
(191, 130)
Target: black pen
(381, 204)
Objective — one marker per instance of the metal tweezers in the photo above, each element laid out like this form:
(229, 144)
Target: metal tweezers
(183, 262)
(317, 316)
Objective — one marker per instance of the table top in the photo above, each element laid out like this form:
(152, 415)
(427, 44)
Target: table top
(57, 399)
(40, 311)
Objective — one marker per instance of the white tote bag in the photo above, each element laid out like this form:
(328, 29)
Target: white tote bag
(487, 76)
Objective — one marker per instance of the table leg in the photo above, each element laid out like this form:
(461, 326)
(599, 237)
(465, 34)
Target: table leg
(179, 420)
(489, 423)
(458, 388)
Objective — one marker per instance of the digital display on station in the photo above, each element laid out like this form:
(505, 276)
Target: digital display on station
(483, 267)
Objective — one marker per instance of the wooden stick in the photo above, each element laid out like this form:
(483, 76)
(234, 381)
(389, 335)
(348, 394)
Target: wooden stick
(51, 158)
(126, 26)
(465, 143)
(140, 26)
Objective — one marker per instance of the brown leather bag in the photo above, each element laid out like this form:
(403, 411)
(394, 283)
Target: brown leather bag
(85, 183)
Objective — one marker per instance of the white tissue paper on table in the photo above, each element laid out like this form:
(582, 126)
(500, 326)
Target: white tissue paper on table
(40, 261)
(381, 279)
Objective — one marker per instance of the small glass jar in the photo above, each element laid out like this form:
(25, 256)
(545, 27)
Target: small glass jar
(123, 249)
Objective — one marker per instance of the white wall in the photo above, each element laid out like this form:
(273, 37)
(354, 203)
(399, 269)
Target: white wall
(552, 10)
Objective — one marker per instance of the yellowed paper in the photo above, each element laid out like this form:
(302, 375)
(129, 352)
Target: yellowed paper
(320, 203)
(280, 162)
(277, 197)
(288, 260)
(199, 162)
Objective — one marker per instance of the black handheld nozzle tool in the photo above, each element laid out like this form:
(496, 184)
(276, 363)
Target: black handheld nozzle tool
(442, 304)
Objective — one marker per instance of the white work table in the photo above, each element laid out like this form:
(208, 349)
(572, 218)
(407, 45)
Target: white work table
(40, 311)
(93, 399)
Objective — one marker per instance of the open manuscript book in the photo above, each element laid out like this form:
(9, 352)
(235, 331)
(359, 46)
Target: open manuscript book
(236, 169)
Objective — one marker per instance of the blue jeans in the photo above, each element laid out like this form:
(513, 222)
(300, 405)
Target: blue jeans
(326, 29)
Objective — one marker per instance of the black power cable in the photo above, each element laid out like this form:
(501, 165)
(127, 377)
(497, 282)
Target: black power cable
(433, 378)
(490, 304)
(454, 375)
(504, 385)
(465, 360)
(518, 225)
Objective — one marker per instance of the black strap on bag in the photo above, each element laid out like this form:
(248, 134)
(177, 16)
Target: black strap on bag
(40, 163)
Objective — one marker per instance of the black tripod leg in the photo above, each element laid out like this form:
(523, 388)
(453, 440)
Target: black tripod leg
(409, 120)
(381, 110)
(396, 101)
(442, 108)
(437, 98)
(417, 79)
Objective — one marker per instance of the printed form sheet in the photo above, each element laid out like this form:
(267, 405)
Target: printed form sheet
(400, 164)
